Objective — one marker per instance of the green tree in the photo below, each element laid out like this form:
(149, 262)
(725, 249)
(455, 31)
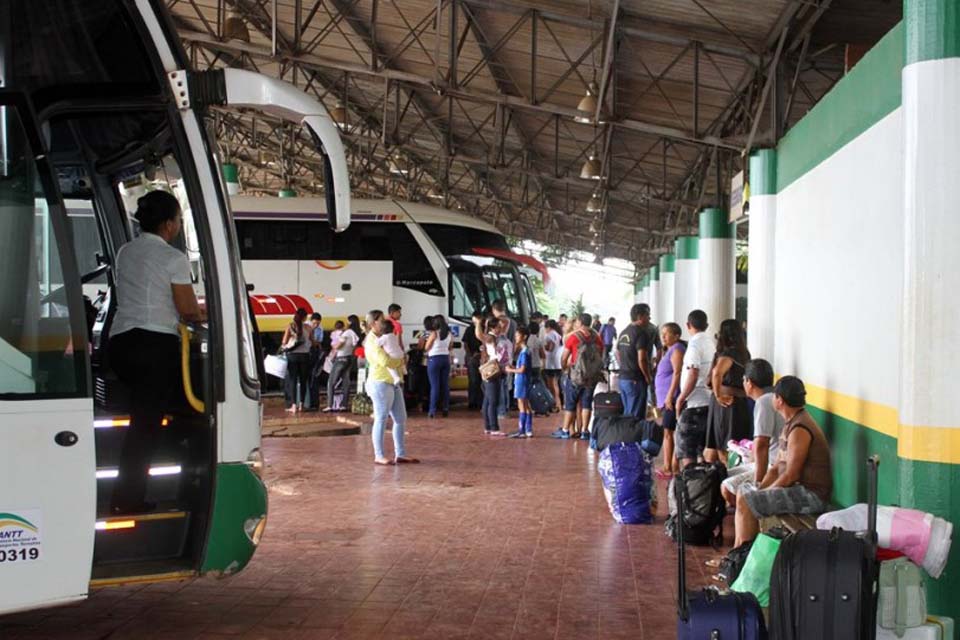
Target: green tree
(578, 307)
(545, 303)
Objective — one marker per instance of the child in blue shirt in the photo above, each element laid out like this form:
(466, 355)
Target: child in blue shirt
(521, 383)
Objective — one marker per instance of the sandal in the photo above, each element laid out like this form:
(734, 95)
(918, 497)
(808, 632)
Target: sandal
(663, 475)
(384, 462)
(405, 460)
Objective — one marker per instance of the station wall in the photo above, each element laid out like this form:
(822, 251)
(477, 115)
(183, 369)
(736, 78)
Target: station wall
(839, 255)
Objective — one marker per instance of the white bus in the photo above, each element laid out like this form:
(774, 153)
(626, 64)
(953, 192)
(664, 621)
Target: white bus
(427, 259)
(97, 105)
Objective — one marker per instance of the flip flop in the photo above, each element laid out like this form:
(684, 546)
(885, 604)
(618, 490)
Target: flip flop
(384, 463)
(663, 475)
(407, 461)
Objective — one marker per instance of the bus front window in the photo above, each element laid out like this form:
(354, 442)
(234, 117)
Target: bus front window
(466, 294)
(501, 286)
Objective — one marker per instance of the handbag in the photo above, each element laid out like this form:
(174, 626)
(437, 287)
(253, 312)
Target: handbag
(490, 370)
(276, 366)
(292, 342)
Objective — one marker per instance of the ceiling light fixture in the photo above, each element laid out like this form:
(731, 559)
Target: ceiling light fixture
(591, 168)
(398, 165)
(234, 28)
(595, 203)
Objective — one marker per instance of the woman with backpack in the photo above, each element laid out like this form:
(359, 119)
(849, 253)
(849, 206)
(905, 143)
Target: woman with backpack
(729, 416)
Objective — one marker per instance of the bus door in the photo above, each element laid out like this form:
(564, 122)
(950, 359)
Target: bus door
(47, 484)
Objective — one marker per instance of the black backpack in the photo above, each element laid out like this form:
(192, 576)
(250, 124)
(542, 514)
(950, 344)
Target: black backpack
(704, 507)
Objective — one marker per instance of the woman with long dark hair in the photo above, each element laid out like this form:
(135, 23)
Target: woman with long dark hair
(437, 348)
(729, 417)
(296, 344)
(338, 384)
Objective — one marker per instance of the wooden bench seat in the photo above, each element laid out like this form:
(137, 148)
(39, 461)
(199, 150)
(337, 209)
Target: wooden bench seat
(792, 522)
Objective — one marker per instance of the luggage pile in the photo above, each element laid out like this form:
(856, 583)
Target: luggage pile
(627, 482)
(825, 583)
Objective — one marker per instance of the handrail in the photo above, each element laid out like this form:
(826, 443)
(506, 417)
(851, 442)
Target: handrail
(195, 402)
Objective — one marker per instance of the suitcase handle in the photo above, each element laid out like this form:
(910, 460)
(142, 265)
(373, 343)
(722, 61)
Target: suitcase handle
(873, 464)
(679, 489)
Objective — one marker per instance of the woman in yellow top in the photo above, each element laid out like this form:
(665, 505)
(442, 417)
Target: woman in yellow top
(387, 397)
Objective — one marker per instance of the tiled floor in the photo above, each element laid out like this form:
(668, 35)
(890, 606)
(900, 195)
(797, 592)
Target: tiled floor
(486, 539)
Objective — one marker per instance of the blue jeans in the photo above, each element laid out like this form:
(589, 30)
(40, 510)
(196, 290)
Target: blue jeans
(503, 404)
(387, 400)
(491, 403)
(438, 370)
(634, 396)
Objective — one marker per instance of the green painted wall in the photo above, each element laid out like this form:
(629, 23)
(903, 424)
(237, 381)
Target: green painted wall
(865, 95)
(933, 29)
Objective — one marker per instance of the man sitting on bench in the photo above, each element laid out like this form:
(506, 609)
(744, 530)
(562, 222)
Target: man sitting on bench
(767, 426)
(801, 480)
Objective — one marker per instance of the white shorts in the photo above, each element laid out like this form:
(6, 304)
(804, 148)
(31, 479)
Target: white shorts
(738, 476)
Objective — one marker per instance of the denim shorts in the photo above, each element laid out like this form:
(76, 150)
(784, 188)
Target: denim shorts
(572, 394)
(775, 501)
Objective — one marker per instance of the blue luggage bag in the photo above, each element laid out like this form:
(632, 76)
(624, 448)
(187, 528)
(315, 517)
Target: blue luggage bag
(708, 615)
(541, 400)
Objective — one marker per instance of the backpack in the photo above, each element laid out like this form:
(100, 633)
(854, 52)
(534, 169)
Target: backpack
(587, 371)
(704, 507)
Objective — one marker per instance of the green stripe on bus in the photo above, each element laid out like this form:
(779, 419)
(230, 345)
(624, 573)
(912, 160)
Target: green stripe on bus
(239, 496)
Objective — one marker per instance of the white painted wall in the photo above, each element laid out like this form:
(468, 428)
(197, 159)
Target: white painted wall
(839, 254)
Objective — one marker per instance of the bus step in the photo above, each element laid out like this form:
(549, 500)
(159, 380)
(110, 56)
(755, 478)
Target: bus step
(141, 537)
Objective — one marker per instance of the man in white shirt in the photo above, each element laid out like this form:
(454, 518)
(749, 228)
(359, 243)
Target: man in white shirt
(767, 425)
(694, 401)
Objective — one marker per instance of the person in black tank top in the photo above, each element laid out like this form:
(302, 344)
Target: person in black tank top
(729, 416)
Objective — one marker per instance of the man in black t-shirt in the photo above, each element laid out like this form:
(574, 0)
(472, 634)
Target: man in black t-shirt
(635, 347)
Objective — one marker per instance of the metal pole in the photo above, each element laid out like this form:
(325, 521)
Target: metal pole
(534, 19)
(452, 50)
(696, 89)
(273, 20)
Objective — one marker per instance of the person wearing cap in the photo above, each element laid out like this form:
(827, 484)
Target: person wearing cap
(801, 480)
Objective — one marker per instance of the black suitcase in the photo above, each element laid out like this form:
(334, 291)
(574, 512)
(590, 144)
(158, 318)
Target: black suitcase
(709, 615)
(823, 583)
(608, 405)
(704, 508)
(611, 430)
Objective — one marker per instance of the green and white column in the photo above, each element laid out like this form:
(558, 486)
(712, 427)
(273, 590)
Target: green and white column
(665, 302)
(928, 443)
(287, 192)
(762, 244)
(645, 293)
(715, 285)
(231, 178)
(653, 293)
(685, 279)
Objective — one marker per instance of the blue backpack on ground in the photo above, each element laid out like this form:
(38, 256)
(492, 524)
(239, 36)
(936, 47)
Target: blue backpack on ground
(625, 472)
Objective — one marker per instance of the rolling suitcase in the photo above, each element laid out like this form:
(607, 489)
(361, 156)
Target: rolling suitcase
(708, 615)
(541, 400)
(608, 405)
(823, 583)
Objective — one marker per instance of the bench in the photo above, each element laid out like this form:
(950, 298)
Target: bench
(792, 522)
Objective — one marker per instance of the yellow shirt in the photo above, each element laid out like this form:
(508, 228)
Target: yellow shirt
(378, 362)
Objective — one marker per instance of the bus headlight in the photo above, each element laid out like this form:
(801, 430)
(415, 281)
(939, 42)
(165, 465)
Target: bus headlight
(255, 462)
(254, 528)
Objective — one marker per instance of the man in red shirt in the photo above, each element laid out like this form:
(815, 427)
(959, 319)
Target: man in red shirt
(572, 393)
(394, 311)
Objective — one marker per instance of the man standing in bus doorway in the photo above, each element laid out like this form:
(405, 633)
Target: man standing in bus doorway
(395, 312)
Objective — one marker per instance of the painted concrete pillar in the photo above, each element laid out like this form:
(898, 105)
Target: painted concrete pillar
(716, 277)
(686, 277)
(231, 178)
(760, 275)
(645, 294)
(928, 442)
(667, 288)
(653, 293)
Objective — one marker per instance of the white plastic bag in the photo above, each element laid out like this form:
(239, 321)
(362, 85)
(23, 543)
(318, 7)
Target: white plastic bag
(275, 366)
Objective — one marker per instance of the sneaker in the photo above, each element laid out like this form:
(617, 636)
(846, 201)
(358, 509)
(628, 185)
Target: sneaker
(499, 434)
(584, 435)
(487, 432)
(517, 434)
(528, 434)
(560, 434)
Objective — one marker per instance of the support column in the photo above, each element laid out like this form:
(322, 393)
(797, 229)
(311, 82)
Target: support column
(686, 276)
(653, 293)
(716, 280)
(231, 178)
(928, 443)
(667, 288)
(645, 293)
(760, 276)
